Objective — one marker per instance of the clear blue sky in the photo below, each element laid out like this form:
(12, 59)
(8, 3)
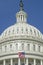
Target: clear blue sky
(8, 9)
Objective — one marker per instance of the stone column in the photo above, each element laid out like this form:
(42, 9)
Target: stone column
(26, 61)
(34, 61)
(19, 61)
(3, 62)
(41, 62)
(11, 61)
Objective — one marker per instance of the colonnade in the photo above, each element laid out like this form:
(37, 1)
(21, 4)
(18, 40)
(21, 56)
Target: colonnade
(26, 63)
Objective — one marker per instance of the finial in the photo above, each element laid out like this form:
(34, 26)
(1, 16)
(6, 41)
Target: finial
(21, 5)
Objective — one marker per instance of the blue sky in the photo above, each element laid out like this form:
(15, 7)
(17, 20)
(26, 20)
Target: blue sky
(8, 9)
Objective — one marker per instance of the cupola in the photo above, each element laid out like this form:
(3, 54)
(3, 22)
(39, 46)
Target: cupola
(21, 16)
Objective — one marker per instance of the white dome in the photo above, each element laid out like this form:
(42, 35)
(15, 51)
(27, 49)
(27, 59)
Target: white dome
(21, 28)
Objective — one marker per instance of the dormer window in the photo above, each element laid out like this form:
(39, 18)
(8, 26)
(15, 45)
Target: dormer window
(31, 31)
(9, 32)
(34, 32)
(26, 30)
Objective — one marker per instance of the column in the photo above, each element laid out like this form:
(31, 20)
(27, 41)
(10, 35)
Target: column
(41, 62)
(3, 62)
(19, 61)
(26, 61)
(34, 61)
(11, 61)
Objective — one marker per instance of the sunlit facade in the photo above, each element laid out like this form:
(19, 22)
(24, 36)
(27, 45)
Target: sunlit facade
(21, 37)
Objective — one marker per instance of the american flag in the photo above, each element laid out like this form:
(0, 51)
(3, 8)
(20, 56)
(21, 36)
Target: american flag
(21, 54)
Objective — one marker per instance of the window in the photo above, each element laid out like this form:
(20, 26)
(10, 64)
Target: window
(5, 48)
(22, 30)
(17, 30)
(28, 46)
(10, 46)
(31, 31)
(13, 31)
(17, 46)
(9, 32)
(21, 17)
(39, 48)
(26, 30)
(33, 47)
(34, 32)
(22, 46)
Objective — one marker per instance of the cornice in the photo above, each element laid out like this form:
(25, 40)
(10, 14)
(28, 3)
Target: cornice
(22, 37)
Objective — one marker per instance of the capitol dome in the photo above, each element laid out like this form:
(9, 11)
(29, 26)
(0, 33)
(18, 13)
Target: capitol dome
(21, 43)
(22, 28)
